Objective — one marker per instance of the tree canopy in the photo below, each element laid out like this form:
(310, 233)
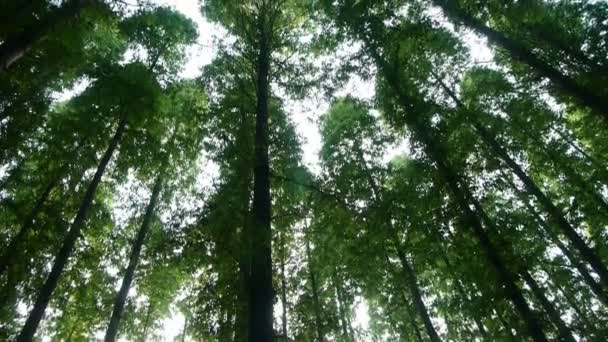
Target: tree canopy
(457, 191)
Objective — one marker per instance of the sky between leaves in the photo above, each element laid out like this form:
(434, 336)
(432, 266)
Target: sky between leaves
(304, 113)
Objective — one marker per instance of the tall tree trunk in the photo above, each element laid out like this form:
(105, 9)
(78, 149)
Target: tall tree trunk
(12, 250)
(587, 278)
(555, 213)
(570, 141)
(138, 243)
(144, 334)
(44, 295)
(261, 292)
(518, 51)
(15, 47)
(412, 284)
(341, 308)
(315, 293)
(572, 302)
(406, 304)
(555, 317)
(463, 294)
(245, 171)
(462, 196)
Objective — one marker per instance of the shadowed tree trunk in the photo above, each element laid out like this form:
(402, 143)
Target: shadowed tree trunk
(408, 272)
(261, 292)
(144, 334)
(461, 192)
(44, 295)
(406, 304)
(465, 295)
(521, 53)
(15, 47)
(555, 317)
(344, 321)
(409, 275)
(555, 213)
(315, 293)
(138, 243)
(587, 278)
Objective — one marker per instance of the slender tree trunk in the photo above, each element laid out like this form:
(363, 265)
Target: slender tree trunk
(12, 250)
(315, 293)
(406, 304)
(587, 278)
(261, 292)
(593, 161)
(412, 284)
(463, 294)
(576, 179)
(588, 326)
(44, 295)
(144, 334)
(521, 53)
(407, 270)
(15, 47)
(555, 213)
(555, 316)
(138, 243)
(463, 198)
(341, 310)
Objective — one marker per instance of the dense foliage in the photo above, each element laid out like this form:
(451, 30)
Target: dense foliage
(463, 197)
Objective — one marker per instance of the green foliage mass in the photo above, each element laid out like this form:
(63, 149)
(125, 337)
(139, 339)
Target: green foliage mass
(462, 198)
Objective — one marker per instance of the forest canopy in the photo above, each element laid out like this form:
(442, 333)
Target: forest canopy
(340, 170)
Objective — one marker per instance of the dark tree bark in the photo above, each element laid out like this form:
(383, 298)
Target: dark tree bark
(555, 213)
(587, 278)
(12, 250)
(261, 292)
(539, 293)
(518, 51)
(588, 326)
(408, 272)
(144, 334)
(315, 294)
(138, 243)
(411, 317)
(412, 284)
(44, 295)
(344, 320)
(18, 45)
(462, 194)
(461, 290)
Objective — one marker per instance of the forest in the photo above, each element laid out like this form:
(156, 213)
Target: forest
(457, 189)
